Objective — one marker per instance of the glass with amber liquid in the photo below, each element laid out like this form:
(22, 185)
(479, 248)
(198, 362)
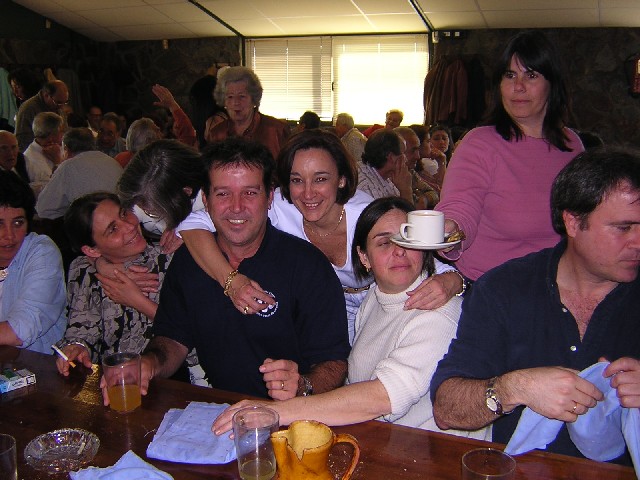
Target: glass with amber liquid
(122, 376)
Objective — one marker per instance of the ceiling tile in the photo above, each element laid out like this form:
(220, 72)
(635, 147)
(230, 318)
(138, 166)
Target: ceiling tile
(77, 5)
(110, 17)
(211, 28)
(72, 20)
(620, 17)
(538, 18)
(398, 23)
(508, 5)
(151, 32)
(298, 8)
(369, 7)
(457, 20)
(318, 26)
(41, 6)
(183, 12)
(448, 5)
(257, 27)
(231, 9)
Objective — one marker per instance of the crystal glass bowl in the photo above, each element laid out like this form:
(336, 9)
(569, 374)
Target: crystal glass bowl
(62, 450)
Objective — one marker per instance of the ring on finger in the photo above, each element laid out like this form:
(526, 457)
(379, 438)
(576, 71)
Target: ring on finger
(575, 407)
(246, 309)
(282, 385)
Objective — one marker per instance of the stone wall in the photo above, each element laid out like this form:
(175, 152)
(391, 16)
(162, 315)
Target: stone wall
(118, 76)
(594, 59)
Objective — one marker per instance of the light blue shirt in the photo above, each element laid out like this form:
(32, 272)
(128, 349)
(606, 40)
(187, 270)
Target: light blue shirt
(34, 294)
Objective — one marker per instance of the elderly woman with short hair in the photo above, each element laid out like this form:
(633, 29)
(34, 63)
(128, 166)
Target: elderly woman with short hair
(239, 91)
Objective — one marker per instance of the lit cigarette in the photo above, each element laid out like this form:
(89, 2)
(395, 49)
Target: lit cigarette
(64, 357)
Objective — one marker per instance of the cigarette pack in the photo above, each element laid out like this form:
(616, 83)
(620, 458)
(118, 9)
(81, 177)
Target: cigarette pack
(13, 379)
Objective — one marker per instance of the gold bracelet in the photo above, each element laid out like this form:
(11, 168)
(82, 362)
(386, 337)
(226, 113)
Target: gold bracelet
(227, 282)
(464, 284)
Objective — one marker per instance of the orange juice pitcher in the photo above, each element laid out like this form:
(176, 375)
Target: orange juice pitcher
(302, 451)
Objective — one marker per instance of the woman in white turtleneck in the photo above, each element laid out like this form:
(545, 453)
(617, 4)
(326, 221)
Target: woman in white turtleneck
(395, 351)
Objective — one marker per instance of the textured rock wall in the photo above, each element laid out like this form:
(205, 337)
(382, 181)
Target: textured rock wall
(118, 76)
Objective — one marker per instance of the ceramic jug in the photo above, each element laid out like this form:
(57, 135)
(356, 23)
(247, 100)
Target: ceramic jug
(302, 451)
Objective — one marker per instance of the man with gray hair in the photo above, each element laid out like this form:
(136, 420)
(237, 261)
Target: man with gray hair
(44, 154)
(51, 98)
(84, 170)
(352, 139)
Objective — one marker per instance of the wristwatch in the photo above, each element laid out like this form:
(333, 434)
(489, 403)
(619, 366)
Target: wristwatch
(307, 388)
(491, 399)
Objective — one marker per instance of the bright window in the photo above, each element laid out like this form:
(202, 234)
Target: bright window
(361, 75)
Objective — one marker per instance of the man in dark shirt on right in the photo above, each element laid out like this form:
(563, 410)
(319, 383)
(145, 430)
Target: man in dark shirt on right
(530, 325)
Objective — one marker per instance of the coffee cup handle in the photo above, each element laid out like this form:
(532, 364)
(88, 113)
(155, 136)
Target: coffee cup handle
(403, 231)
(346, 438)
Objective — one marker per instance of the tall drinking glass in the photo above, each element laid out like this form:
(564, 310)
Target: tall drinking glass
(252, 429)
(8, 458)
(122, 375)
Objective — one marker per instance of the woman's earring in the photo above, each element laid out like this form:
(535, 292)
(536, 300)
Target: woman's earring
(367, 268)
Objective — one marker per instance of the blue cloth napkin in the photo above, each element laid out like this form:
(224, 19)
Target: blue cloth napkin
(600, 434)
(185, 436)
(129, 467)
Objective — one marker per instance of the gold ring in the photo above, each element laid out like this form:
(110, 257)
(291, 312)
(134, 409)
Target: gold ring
(575, 407)
(246, 309)
(281, 385)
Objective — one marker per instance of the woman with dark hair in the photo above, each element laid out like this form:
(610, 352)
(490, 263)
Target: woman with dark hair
(396, 351)
(317, 202)
(239, 91)
(498, 183)
(32, 289)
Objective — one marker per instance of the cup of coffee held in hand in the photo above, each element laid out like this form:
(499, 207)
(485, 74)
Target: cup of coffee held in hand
(424, 226)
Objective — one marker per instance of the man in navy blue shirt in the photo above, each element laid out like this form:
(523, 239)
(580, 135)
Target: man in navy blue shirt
(292, 346)
(530, 325)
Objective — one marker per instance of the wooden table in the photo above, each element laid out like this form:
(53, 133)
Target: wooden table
(388, 452)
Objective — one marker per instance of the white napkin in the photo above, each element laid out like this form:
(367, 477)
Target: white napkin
(185, 436)
(600, 434)
(129, 467)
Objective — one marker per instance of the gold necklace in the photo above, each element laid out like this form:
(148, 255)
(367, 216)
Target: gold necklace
(322, 235)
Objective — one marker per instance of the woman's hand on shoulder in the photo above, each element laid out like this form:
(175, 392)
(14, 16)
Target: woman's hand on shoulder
(169, 241)
(248, 296)
(434, 291)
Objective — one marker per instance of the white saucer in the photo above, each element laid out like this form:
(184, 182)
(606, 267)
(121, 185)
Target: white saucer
(417, 245)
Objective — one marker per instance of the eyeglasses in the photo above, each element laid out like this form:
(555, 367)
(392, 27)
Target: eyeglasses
(60, 103)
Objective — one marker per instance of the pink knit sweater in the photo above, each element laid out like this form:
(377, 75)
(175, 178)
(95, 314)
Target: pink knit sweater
(498, 192)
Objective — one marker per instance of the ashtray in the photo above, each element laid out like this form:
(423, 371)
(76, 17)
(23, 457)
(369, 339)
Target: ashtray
(62, 450)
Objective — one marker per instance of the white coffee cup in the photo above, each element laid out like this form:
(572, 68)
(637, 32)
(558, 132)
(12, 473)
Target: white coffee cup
(424, 226)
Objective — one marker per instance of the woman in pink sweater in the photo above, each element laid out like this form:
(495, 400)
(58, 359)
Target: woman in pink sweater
(498, 183)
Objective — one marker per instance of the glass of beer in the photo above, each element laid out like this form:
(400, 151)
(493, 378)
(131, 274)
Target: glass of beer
(8, 458)
(122, 375)
(252, 429)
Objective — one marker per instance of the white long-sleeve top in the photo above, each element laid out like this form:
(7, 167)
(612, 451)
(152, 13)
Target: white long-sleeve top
(401, 348)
